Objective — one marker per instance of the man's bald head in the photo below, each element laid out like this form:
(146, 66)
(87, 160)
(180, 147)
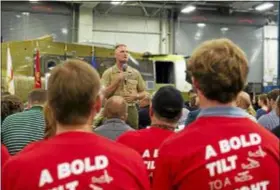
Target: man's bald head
(243, 100)
(115, 107)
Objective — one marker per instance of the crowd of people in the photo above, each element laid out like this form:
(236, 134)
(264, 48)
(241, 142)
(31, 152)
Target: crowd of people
(87, 132)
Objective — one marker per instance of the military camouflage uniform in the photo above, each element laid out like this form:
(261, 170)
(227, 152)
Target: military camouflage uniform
(134, 84)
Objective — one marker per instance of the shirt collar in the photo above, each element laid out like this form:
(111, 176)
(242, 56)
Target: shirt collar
(223, 112)
(37, 107)
(116, 69)
(113, 120)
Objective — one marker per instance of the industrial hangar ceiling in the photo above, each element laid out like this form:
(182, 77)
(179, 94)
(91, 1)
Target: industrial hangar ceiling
(153, 8)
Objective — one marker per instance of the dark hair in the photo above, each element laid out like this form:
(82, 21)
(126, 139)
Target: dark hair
(220, 69)
(10, 104)
(72, 90)
(37, 96)
(272, 95)
(167, 104)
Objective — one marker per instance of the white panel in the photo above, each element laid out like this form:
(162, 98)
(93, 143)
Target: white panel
(85, 24)
(135, 42)
(270, 60)
(126, 24)
(270, 31)
(270, 54)
(140, 34)
(180, 76)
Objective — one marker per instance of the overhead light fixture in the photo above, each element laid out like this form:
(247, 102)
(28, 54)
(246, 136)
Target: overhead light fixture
(264, 6)
(64, 30)
(33, 0)
(188, 9)
(201, 25)
(25, 13)
(116, 2)
(18, 16)
(224, 29)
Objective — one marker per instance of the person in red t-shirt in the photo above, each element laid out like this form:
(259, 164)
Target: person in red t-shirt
(4, 155)
(165, 112)
(223, 148)
(76, 158)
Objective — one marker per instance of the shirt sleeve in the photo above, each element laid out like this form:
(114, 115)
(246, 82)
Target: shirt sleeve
(106, 79)
(263, 121)
(10, 173)
(5, 155)
(162, 174)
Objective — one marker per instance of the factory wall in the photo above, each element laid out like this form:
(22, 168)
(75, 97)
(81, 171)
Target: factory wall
(141, 34)
(25, 20)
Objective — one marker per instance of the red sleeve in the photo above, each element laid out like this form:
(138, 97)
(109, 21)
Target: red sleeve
(162, 174)
(9, 174)
(4, 155)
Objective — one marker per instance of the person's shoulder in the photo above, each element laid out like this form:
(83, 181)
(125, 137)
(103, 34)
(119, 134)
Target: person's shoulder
(186, 137)
(119, 149)
(14, 116)
(99, 128)
(132, 69)
(26, 156)
(128, 128)
(108, 71)
(263, 119)
(131, 134)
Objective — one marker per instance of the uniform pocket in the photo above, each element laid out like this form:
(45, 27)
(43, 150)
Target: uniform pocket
(132, 84)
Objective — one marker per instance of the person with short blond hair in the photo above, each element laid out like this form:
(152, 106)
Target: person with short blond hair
(75, 158)
(243, 101)
(115, 112)
(222, 145)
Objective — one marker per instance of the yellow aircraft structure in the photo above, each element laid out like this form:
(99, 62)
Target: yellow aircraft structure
(157, 70)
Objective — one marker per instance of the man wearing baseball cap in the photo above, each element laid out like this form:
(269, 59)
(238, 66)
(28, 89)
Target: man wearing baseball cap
(165, 112)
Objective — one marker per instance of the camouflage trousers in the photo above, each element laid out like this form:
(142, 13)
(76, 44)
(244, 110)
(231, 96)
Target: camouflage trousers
(132, 118)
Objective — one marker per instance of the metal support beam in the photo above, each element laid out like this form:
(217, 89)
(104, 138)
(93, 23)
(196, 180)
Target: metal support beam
(127, 32)
(150, 5)
(154, 14)
(144, 9)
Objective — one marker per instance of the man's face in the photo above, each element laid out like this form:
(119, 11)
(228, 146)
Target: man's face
(121, 54)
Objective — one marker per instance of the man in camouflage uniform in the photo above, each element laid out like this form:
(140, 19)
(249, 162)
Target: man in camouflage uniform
(125, 82)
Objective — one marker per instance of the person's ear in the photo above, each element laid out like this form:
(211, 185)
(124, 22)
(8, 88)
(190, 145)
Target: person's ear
(151, 112)
(195, 84)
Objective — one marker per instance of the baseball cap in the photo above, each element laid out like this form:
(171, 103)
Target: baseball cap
(168, 102)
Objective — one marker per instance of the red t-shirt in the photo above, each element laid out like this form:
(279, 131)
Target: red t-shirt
(146, 142)
(76, 161)
(219, 153)
(4, 155)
